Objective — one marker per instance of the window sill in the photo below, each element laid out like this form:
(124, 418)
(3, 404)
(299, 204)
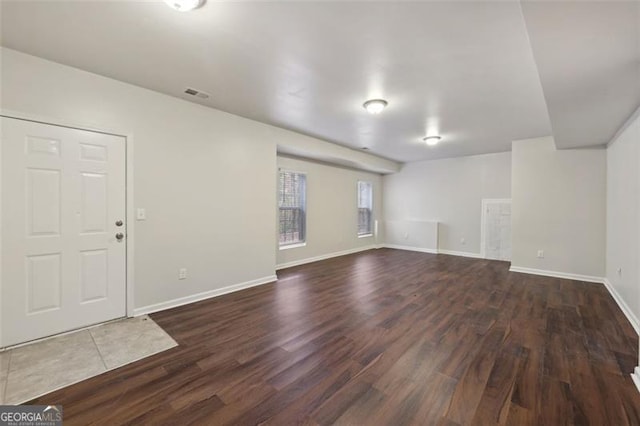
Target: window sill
(292, 246)
(365, 236)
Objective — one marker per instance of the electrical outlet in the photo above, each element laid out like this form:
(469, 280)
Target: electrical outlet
(540, 254)
(463, 241)
(182, 274)
(141, 214)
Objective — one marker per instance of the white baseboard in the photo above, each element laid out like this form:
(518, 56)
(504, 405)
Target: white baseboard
(587, 278)
(635, 376)
(460, 253)
(370, 247)
(410, 248)
(432, 251)
(623, 307)
(324, 257)
(555, 274)
(202, 296)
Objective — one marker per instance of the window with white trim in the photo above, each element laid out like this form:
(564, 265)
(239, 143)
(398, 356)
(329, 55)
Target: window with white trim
(365, 208)
(292, 188)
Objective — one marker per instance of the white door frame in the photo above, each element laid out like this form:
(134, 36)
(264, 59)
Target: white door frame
(128, 138)
(483, 218)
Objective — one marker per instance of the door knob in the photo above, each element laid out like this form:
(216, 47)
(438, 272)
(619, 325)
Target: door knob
(118, 223)
(119, 236)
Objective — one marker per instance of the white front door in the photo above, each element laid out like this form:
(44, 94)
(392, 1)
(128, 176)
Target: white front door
(63, 202)
(496, 229)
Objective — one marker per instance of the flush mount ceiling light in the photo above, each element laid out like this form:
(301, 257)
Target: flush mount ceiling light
(375, 106)
(432, 140)
(184, 5)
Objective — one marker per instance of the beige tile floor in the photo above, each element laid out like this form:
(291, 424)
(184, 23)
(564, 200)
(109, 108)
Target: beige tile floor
(39, 368)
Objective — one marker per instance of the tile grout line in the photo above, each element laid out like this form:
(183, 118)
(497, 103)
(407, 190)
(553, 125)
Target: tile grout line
(98, 350)
(6, 380)
(54, 336)
(4, 388)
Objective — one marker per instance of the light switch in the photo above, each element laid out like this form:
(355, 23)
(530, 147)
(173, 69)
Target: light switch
(141, 214)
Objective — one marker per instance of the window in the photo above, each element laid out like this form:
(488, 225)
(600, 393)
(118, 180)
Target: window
(292, 203)
(365, 208)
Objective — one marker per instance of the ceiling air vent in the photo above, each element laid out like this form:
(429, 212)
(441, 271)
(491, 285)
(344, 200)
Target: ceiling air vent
(196, 93)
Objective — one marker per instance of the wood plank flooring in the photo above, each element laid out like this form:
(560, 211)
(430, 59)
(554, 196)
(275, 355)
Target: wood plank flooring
(383, 337)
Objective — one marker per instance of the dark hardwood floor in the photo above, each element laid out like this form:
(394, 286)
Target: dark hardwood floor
(384, 337)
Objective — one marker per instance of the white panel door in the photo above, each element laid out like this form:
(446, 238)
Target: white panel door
(63, 202)
(497, 229)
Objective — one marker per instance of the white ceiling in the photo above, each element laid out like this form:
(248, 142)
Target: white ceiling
(465, 70)
(588, 57)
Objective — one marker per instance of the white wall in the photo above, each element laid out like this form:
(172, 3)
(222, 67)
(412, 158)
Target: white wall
(559, 206)
(420, 235)
(206, 178)
(448, 191)
(623, 216)
(332, 210)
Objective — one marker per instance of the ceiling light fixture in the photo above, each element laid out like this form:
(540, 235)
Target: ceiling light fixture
(375, 106)
(432, 140)
(184, 5)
